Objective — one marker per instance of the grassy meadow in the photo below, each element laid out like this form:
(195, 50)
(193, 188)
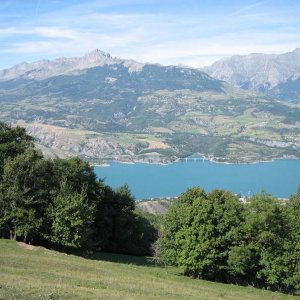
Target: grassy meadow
(29, 272)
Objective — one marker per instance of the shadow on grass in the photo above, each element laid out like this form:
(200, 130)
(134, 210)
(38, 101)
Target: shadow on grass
(115, 258)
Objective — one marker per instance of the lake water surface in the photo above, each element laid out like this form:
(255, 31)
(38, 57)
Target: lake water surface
(281, 177)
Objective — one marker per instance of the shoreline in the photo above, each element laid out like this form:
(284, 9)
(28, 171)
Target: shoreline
(198, 158)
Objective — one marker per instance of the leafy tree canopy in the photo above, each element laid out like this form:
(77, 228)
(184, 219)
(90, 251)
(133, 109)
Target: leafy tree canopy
(13, 141)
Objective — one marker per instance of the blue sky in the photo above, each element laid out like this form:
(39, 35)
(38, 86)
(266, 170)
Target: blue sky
(189, 32)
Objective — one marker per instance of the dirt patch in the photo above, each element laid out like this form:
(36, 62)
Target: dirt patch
(156, 144)
(26, 246)
(159, 207)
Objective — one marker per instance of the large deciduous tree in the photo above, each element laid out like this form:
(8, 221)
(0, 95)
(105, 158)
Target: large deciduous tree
(264, 232)
(199, 231)
(77, 173)
(25, 192)
(291, 257)
(70, 216)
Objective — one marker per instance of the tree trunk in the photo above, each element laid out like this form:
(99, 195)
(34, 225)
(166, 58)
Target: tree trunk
(15, 234)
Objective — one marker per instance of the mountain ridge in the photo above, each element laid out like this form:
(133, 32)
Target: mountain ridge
(45, 68)
(257, 71)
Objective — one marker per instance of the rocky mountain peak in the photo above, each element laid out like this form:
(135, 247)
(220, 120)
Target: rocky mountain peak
(98, 56)
(257, 70)
(97, 53)
(43, 69)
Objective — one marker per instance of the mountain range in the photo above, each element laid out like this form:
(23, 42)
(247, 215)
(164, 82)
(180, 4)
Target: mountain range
(102, 108)
(43, 69)
(276, 75)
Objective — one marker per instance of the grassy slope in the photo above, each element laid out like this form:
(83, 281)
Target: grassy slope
(37, 273)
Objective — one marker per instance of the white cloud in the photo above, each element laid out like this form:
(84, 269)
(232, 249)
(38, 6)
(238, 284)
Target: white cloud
(165, 38)
(10, 31)
(30, 47)
(54, 32)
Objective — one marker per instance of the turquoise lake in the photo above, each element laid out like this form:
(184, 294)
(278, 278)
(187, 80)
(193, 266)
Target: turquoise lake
(280, 177)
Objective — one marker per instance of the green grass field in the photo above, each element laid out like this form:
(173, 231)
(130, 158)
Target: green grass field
(28, 272)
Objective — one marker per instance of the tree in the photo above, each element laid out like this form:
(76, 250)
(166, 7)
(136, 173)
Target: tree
(291, 256)
(64, 202)
(122, 217)
(177, 218)
(264, 232)
(13, 141)
(26, 191)
(77, 173)
(70, 216)
(117, 227)
(199, 231)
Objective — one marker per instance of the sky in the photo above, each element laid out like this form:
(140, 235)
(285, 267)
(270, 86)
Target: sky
(187, 32)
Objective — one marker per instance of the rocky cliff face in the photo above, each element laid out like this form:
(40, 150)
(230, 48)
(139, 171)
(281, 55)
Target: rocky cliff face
(55, 141)
(257, 71)
(64, 142)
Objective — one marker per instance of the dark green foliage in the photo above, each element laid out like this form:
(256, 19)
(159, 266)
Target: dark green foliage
(199, 240)
(13, 141)
(189, 144)
(264, 234)
(122, 206)
(62, 202)
(291, 258)
(70, 216)
(117, 227)
(239, 261)
(214, 236)
(77, 174)
(26, 191)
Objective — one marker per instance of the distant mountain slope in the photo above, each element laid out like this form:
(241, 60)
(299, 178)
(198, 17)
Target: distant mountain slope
(103, 108)
(260, 72)
(288, 90)
(49, 68)
(109, 97)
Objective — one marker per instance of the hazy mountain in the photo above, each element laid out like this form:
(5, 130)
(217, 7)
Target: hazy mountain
(43, 69)
(260, 72)
(289, 89)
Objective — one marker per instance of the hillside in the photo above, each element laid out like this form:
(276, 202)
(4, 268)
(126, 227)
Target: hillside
(155, 206)
(29, 272)
(102, 108)
(258, 71)
(289, 89)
